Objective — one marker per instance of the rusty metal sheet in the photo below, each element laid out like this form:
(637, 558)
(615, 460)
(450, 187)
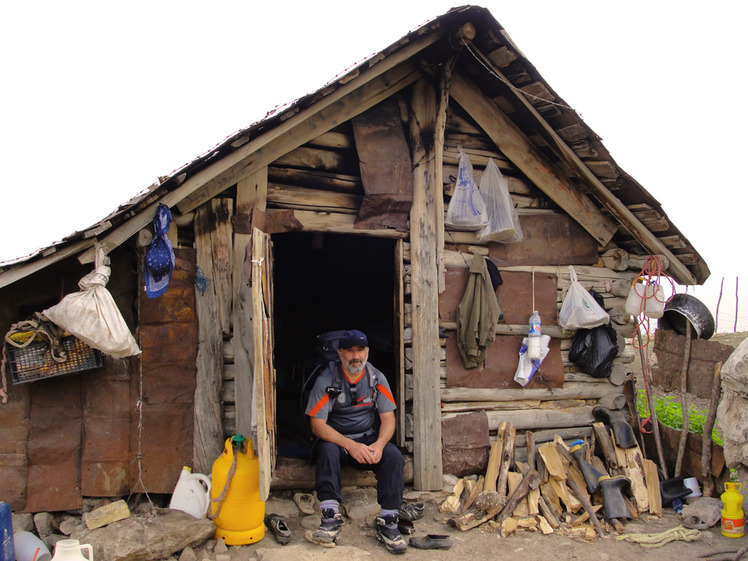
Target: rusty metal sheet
(105, 459)
(549, 239)
(465, 444)
(515, 296)
(54, 447)
(669, 346)
(501, 362)
(386, 169)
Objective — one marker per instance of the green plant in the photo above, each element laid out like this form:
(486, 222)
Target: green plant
(670, 413)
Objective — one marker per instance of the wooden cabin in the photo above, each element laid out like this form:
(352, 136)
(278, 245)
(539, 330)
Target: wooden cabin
(329, 214)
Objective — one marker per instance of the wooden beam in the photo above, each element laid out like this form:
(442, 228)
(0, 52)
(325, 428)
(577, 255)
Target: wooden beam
(427, 450)
(22, 271)
(612, 203)
(571, 390)
(341, 105)
(525, 155)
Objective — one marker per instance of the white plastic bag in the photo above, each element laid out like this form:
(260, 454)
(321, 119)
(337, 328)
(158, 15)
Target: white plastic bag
(580, 310)
(527, 367)
(466, 210)
(503, 222)
(92, 315)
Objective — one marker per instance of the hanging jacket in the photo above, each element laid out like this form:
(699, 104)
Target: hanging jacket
(477, 315)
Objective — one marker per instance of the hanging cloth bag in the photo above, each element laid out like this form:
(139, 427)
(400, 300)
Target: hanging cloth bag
(92, 315)
(580, 310)
(467, 209)
(502, 220)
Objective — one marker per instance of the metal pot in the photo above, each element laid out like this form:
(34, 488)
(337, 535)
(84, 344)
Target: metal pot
(682, 308)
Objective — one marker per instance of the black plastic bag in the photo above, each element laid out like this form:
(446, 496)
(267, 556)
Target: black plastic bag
(593, 350)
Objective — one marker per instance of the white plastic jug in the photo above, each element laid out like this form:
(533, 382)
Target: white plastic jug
(70, 550)
(191, 493)
(654, 306)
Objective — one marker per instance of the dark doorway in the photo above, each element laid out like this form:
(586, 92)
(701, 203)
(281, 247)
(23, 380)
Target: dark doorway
(326, 282)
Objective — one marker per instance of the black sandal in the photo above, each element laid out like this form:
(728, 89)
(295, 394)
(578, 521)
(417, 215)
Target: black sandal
(277, 525)
(431, 541)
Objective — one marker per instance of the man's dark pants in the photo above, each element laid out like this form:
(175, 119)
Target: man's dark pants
(331, 458)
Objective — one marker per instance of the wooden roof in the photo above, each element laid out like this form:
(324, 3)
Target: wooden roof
(492, 81)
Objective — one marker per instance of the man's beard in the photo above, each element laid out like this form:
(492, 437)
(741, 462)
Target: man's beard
(355, 366)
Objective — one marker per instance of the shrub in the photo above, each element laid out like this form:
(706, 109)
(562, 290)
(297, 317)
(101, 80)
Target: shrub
(670, 413)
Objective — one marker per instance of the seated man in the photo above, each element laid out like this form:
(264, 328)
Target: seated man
(352, 415)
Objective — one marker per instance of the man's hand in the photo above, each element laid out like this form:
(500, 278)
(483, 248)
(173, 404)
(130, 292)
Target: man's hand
(363, 453)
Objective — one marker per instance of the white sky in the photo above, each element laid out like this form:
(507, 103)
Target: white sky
(99, 98)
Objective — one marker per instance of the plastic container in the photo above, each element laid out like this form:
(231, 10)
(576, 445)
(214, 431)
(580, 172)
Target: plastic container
(7, 549)
(654, 300)
(191, 493)
(30, 548)
(533, 337)
(693, 484)
(72, 550)
(733, 519)
(241, 513)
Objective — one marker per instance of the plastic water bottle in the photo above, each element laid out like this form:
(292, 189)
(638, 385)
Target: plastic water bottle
(533, 337)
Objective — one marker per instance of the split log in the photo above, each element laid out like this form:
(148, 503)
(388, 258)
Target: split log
(653, 488)
(494, 459)
(530, 444)
(587, 507)
(452, 502)
(531, 480)
(633, 467)
(553, 460)
(513, 481)
(603, 438)
(547, 513)
(476, 489)
(487, 505)
(585, 516)
(545, 526)
(507, 457)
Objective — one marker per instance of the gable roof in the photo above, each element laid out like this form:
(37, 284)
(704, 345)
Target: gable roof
(493, 80)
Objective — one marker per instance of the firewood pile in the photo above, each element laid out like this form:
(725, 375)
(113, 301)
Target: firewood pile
(582, 491)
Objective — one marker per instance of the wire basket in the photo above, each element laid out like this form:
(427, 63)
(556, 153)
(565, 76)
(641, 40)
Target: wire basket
(35, 362)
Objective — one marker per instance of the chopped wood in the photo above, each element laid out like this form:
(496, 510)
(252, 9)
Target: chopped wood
(602, 438)
(507, 457)
(513, 481)
(553, 460)
(545, 527)
(486, 506)
(633, 468)
(576, 475)
(549, 493)
(474, 490)
(562, 492)
(585, 516)
(547, 513)
(531, 480)
(653, 488)
(532, 501)
(452, 502)
(587, 507)
(527, 522)
(508, 527)
(494, 459)
(531, 450)
(106, 514)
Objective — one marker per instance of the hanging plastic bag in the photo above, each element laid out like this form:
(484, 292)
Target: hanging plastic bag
(580, 310)
(92, 315)
(593, 350)
(526, 368)
(467, 209)
(646, 298)
(503, 222)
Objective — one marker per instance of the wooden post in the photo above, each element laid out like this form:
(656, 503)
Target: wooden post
(427, 449)
(706, 437)
(684, 400)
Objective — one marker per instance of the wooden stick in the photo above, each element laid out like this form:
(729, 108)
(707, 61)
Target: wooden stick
(494, 459)
(531, 480)
(587, 506)
(606, 444)
(531, 450)
(507, 457)
(548, 513)
(706, 437)
(650, 402)
(684, 400)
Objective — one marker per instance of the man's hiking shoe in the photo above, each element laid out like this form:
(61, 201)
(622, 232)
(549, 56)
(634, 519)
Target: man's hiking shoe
(389, 535)
(329, 530)
(411, 511)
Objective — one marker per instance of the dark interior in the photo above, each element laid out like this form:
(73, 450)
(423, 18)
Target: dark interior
(322, 283)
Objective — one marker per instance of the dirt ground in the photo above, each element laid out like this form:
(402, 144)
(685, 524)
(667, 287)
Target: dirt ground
(358, 541)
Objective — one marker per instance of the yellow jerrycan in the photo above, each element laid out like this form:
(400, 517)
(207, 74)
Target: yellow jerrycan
(235, 507)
